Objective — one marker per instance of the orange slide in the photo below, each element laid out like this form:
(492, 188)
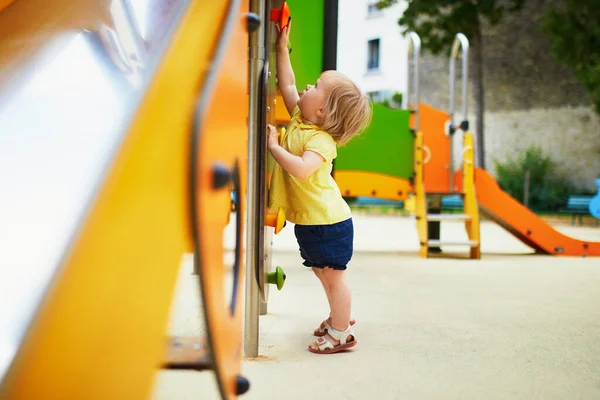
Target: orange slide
(524, 224)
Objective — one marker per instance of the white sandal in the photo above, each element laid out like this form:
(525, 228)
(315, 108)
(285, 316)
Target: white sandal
(325, 327)
(324, 346)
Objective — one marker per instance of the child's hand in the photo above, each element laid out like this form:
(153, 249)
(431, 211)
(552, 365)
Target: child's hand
(273, 139)
(283, 36)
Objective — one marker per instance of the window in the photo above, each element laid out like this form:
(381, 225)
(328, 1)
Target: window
(380, 96)
(373, 9)
(373, 54)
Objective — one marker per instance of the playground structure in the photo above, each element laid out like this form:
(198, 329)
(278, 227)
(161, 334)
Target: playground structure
(113, 116)
(152, 179)
(126, 133)
(392, 162)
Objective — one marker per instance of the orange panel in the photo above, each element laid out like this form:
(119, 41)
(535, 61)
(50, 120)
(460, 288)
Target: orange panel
(5, 3)
(367, 184)
(224, 142)
(436, 149)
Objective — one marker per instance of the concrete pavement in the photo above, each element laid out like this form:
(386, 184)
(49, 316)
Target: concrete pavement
(511, 326)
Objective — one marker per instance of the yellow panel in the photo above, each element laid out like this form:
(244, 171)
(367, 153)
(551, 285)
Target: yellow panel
(470, 198)
(420, 200)
(282, 116)
(100, 333)
(368, 184)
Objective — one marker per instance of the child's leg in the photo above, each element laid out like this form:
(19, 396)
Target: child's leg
(340, 316)
(340, 298)
(319, 273)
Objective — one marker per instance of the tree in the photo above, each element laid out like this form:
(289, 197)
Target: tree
(574, 30)
(438, 21)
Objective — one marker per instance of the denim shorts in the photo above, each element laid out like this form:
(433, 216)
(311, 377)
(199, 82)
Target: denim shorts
(326, 245)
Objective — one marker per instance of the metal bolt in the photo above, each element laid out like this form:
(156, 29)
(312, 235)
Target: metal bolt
(221, 176)
(252, 22)
(241, 385)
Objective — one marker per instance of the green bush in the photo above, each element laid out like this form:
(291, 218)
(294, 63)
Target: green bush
(397, 98)
(548, 190)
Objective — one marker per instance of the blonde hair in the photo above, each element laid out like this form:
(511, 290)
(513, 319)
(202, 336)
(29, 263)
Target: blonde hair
(347, 111)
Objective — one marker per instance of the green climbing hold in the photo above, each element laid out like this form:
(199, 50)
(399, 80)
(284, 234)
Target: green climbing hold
(276, 278)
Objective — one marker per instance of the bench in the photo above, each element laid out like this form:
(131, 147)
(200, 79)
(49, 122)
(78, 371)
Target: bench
(452, 202)
(374, 202)
(578, 205)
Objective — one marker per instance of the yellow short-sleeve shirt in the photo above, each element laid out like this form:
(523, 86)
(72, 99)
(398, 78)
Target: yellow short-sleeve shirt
(315, 200)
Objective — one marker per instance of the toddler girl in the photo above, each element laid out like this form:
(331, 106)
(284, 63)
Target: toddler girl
(327, 114)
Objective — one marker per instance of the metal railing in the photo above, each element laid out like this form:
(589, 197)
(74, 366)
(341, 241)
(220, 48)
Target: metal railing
(414, 52)
(460, 43)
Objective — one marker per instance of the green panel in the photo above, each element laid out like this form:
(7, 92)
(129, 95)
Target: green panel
(386, 147)
(306, 40)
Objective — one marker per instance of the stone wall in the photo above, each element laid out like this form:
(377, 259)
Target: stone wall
(530, 97)
(570, 135)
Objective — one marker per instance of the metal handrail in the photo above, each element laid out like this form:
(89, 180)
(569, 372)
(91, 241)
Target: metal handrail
(460, 43)
(414, 51)
(257, 126)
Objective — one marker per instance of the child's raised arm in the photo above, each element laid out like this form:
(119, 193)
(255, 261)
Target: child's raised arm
(285, 73)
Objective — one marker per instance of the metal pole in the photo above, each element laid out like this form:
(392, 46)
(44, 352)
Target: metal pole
(257, 56)
(414, 51)
(265, 243)
(330, 35)
(460, 43)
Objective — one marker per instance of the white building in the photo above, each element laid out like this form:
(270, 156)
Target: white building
(371, 48)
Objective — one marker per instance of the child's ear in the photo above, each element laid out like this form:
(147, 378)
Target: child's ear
(321, 112)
